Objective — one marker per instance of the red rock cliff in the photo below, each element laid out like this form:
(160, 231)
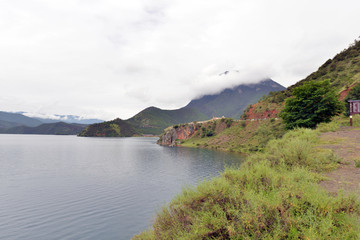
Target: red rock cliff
(177, 132)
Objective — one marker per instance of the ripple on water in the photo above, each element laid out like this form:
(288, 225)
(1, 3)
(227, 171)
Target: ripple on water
(64, 187)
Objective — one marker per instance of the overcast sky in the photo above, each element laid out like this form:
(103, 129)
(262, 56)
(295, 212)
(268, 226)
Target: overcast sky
(111, 58)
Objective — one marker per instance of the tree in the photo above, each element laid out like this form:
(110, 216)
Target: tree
(313, 102)
(354, 94)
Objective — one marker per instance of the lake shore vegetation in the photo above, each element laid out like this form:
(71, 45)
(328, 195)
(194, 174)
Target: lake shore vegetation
(274, 195)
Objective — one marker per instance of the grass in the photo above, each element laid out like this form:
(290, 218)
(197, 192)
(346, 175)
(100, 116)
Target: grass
(357, 162)
(345, 121)
(242, 136)
(337, 122)
(328, 127)
(274, 195)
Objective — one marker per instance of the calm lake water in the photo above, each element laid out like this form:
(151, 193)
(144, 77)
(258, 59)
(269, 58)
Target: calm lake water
(66, 187)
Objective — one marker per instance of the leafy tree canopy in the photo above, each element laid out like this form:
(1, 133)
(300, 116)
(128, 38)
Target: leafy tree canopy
(313, 102)
(354, 94)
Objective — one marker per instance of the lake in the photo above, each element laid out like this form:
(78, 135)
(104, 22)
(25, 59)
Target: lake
(67, 187)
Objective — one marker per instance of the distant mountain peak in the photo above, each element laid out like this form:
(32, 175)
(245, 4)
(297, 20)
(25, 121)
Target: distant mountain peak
(228, 72)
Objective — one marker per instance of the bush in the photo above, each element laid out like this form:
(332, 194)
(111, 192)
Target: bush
(229, 122)
(313, 103)
(209, 133)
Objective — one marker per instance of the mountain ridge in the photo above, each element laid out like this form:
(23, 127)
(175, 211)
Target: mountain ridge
(58, 128)
(230, 102)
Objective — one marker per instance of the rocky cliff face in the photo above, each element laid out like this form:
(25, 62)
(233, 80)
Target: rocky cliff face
(176, 133)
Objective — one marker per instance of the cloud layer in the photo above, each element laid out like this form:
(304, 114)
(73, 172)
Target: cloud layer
(107, 58)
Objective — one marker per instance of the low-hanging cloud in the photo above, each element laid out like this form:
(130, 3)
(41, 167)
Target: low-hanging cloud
(108, 59)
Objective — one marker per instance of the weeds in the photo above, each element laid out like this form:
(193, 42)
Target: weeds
(357, 162)
(328, 127)
(274, 195)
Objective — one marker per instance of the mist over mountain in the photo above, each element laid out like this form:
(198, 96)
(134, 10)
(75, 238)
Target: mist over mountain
(45, 118)
(230, 102)
(19, 123)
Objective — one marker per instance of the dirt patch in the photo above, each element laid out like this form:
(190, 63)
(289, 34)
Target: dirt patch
(346, 145)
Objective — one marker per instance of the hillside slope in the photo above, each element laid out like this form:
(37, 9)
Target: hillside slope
(232, 102)
(8, 119)
(154, 120)
(114, 128)
(59, 128)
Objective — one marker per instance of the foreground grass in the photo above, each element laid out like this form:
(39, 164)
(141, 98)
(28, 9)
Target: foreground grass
(274, 195)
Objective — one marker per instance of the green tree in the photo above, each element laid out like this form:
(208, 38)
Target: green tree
(313, 102)
(354, 94)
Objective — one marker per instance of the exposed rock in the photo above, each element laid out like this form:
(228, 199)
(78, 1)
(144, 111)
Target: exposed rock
(173, 134)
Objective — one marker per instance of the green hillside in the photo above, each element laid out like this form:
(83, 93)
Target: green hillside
(342, 71)
(154, 120)
(114, 128)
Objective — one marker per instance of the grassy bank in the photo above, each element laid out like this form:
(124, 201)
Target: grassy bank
(241, 136)
(274, 195)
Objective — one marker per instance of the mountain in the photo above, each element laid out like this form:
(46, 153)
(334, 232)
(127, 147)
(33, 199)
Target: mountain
(18, 123)
(230, 102)
(62, 118)
(114, 128)
(59, 128)
(8, 119)
(70, 119)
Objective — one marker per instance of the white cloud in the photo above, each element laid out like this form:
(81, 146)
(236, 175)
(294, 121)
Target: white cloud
(110, 58)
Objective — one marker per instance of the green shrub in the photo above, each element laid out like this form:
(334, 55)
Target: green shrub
(313, 103)
(209, 133)
(229, 122)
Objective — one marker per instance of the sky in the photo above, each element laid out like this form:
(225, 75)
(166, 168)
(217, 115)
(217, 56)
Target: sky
(109, 58)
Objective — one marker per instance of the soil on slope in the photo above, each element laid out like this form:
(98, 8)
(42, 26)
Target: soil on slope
(346, 145)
